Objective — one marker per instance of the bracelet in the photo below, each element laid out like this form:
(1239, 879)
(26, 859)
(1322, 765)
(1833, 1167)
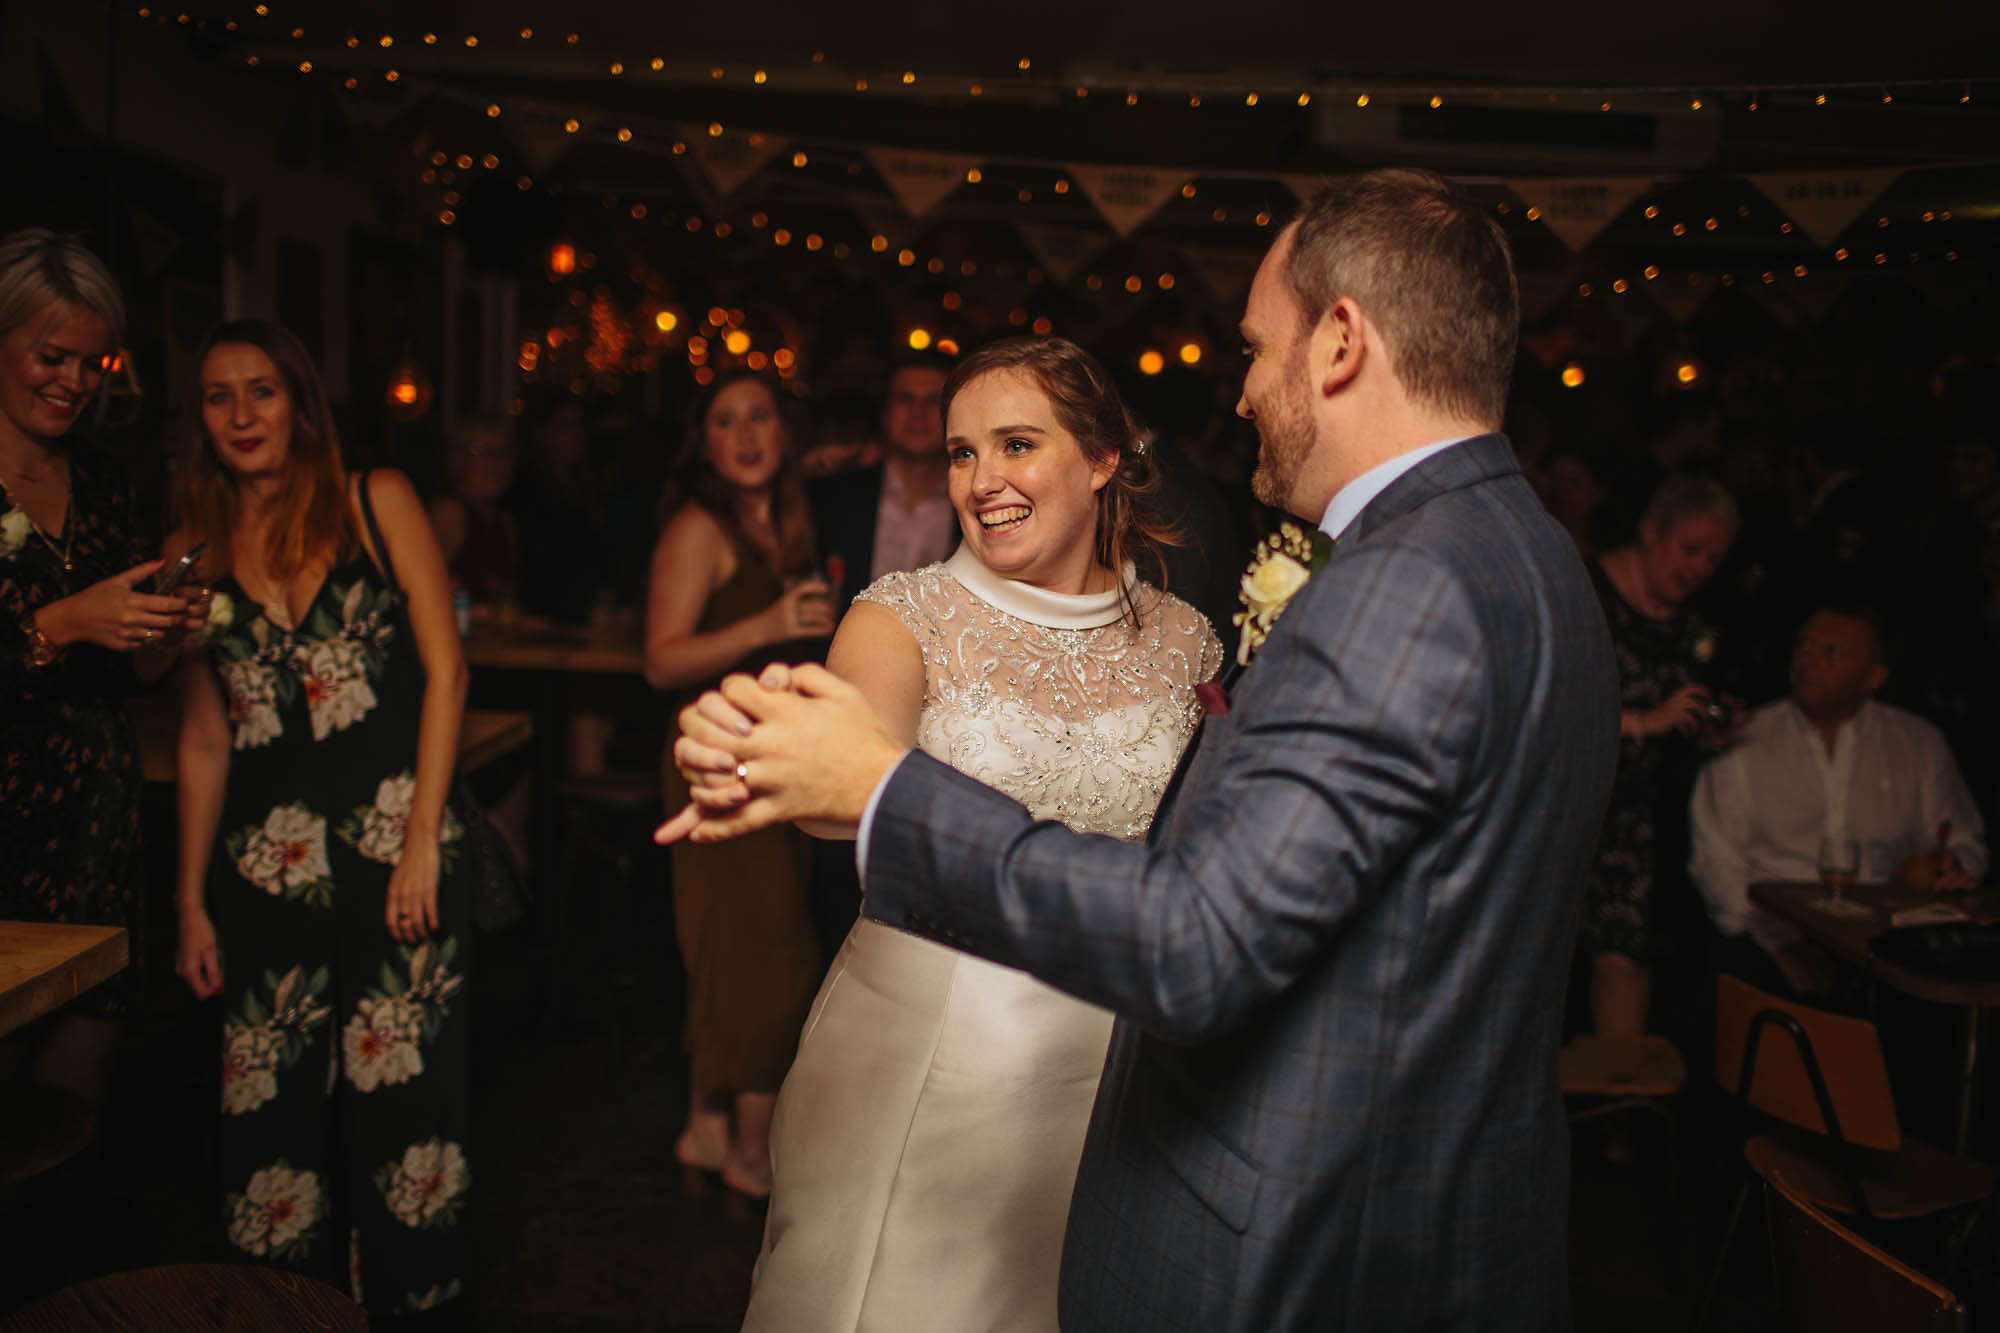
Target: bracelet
(42, 650)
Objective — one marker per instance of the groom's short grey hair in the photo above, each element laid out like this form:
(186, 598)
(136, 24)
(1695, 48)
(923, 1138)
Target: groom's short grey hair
(1428, 268)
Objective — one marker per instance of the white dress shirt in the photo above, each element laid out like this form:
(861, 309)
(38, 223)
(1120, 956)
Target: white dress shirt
(1761, 807)
(910, 533)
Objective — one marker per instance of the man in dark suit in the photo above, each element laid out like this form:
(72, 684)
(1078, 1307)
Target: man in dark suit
(1339, 961)
(896, 515)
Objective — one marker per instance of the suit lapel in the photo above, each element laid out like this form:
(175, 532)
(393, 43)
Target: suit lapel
(1476, 460)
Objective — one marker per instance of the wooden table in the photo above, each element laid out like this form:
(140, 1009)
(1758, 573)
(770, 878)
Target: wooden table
(1847, 938)
(44, 966)
(209, 1298)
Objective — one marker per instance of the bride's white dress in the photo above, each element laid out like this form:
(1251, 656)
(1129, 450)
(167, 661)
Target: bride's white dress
(928, 1134)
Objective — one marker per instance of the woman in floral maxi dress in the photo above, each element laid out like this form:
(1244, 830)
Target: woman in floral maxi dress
(317, 742)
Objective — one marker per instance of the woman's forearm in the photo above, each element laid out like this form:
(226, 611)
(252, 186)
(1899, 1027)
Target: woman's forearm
(437, 747)
(203, 775)
(690, 659)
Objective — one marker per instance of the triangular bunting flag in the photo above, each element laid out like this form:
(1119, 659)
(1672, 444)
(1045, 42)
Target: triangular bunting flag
(1824, 202)
(1225, 270)
(1062, 250)
(918, 179)
(1577, 208)
(1127, 196)
(881, 217)
(543, 132)
(730, 158)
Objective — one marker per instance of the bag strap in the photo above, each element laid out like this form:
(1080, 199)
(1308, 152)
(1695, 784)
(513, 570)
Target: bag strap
(387, 561)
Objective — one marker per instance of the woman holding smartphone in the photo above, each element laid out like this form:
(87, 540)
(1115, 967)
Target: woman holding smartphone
(78, 631)
(319, 729)
(732, 588)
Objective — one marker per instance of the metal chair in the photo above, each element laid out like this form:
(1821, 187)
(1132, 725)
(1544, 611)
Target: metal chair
(1840, 1146)
(1833, 1281)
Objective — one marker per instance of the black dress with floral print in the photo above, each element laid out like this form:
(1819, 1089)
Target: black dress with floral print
(69, 763)
(1643, 845)
(334, 1031)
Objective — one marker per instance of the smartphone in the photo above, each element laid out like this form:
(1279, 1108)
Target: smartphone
(170, 578)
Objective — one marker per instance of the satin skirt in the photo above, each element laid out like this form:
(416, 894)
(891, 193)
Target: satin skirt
(925, 1145)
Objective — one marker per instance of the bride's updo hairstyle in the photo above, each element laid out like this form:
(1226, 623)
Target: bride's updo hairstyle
(1086, 402)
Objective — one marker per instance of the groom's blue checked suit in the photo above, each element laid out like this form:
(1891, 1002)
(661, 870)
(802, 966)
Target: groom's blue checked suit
(1339, 962)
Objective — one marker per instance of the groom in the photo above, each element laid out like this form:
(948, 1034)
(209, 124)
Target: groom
(1339, 961)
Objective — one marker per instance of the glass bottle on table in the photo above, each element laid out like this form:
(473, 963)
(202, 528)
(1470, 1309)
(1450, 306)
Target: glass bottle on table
(1839, 867)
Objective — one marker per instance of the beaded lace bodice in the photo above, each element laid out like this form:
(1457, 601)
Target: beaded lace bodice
(1055, 700)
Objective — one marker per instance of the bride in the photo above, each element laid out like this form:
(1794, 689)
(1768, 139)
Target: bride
(927, 1137)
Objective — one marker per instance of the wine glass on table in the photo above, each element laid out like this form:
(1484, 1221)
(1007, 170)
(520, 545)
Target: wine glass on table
(1839, 867)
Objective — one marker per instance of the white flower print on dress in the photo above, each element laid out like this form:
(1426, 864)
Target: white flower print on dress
(267, 1033)
(276, 1215)
(335, 676)
(252, 693)
(380, 1042)
(249, 1067)
(15, 528)
(377, 831)
(425, 1187)
(287, 855)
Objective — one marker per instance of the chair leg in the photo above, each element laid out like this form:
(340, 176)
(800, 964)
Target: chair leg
(1721, 1259)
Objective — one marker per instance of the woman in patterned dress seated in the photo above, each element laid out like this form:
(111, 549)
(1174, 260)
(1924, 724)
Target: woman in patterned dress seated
(928, 1135)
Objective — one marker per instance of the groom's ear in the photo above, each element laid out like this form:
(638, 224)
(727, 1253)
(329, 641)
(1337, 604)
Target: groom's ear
(1338, 347)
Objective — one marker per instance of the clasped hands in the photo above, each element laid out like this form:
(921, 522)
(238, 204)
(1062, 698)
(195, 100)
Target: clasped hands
(795, 743)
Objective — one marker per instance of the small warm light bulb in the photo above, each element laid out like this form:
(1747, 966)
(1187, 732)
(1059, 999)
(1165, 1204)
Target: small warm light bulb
(1022, 64)
(906, 257)
(492, 109)
(974, 176)
(1652, 271)
(1151, 362)
(1190, 354)
(920, 338)
(1305, 99)
(562, 260)
(799, 159)
(715, 129)
(760, 77)
(617, 68)
(624, 135)
(1361, 99)
(1572, 376)
(1620, 286)
(737, 341)
(1062, 186)
(909, 76)
(1436, 101)
(1250, 99)
(571, 126)
(878, 243)
(666, 321)
(1687, 372)
(1134, 282)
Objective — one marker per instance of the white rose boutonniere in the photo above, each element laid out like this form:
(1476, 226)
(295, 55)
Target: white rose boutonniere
(15, 527)
(1283, 563)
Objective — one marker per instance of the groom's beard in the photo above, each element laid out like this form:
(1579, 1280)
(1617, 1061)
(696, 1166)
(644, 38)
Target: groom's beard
(1284, 435)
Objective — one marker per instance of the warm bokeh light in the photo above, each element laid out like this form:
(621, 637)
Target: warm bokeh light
(1151, 362)
(666, 321)
(784, 358)
(405, 392)
(562, 259)
(1042, 325)
(948, 346)
(697, 346)
(1572, 376)
(717, 316)
(1687, 372)
(737, 341)
(920, 338)
(756, 361)
(1190, 354)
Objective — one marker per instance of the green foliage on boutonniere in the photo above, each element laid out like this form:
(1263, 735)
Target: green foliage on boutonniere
(1283, 563)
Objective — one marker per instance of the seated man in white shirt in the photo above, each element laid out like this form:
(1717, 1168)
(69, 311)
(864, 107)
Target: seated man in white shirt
(1826, 760)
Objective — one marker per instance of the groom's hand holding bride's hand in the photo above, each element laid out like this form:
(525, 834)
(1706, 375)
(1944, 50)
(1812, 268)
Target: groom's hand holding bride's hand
(795, 743)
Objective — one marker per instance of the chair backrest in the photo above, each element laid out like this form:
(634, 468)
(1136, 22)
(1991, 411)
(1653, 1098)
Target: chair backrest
(1847, 1052)
(1834, 1281)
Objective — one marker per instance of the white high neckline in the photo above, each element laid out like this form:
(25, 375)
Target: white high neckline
(1039, 606)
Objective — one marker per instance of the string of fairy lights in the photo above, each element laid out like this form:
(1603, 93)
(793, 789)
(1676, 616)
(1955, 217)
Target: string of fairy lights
(386, 54)
(385, 59)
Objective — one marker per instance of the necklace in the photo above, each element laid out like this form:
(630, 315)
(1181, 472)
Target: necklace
(61, 553)
(69, 538)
